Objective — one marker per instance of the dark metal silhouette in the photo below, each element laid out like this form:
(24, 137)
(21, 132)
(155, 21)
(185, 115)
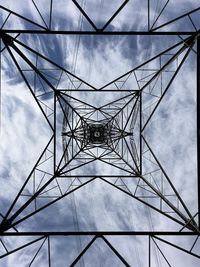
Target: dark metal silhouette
(111, 133)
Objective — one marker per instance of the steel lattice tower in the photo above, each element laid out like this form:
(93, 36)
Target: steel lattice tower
(99, 135)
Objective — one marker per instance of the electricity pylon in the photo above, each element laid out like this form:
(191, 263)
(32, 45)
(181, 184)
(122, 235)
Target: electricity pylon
(104, 140)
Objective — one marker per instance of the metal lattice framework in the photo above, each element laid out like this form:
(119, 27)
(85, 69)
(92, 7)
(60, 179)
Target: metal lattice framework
(105, 140)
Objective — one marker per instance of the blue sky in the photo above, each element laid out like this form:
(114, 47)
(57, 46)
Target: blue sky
(98, 60)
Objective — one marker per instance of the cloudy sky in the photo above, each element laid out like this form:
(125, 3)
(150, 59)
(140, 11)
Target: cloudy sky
(98, 60)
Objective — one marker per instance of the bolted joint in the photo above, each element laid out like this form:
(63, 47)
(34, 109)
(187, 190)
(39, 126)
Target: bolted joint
(192, 225)
(190, 41)
(7, 39)
(57, 173)
(5, 225)
(57, 92)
